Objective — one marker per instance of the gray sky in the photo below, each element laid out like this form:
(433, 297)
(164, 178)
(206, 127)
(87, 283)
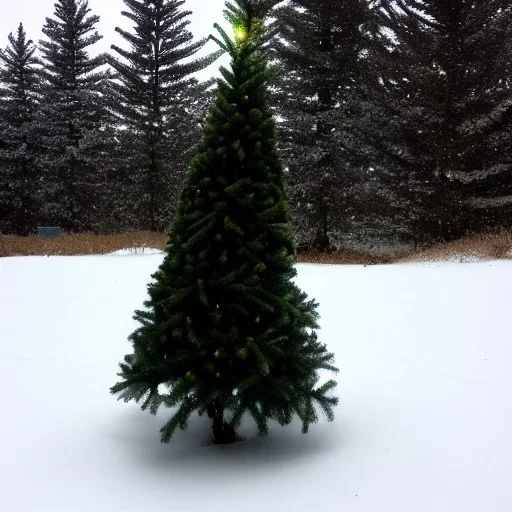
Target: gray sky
(32, 14)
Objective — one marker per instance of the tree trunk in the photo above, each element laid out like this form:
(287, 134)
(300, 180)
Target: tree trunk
(321, 242)
(223, 432)
(152, 191)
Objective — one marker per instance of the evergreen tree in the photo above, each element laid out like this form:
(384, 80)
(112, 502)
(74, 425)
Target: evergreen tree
(444, 113)
(73, 118)
(19, 188)
(154, 97)
(319, 95)
(226, 328)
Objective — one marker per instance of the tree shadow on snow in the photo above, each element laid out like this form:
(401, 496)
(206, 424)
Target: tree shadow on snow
(137, 435)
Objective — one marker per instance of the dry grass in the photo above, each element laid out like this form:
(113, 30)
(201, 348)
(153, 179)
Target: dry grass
(492, 246)
(480, 247)
(345, 258)
(73, 245)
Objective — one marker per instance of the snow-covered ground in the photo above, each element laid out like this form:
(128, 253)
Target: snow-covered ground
(425, 382)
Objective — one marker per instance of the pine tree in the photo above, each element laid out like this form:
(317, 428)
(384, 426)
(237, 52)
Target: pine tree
(444, 115)
(154, 97)
(73, 118)
(19, 189)
(319, 97)
(226, 328)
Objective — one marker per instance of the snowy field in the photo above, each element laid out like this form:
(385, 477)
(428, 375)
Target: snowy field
(425, 382)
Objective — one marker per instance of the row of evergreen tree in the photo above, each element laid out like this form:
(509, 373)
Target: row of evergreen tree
(98, 142)
(395, 118)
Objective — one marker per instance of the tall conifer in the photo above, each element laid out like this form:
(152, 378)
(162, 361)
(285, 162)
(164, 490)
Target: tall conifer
(444, 117)
(158, 104)
(19, 184)
(322, 51)
(73, 118)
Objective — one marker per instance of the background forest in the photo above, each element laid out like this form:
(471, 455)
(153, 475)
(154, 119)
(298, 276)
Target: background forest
(394, 119)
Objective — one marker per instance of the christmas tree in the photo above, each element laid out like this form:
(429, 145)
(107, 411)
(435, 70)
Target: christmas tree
(226, 329)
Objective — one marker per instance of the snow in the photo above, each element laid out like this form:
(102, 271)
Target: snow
(423, 425)
(136, 251)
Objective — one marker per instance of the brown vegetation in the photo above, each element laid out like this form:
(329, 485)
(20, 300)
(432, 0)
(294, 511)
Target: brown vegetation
(478, 247)
(345, 258)
(490, 246)
(73, 245)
